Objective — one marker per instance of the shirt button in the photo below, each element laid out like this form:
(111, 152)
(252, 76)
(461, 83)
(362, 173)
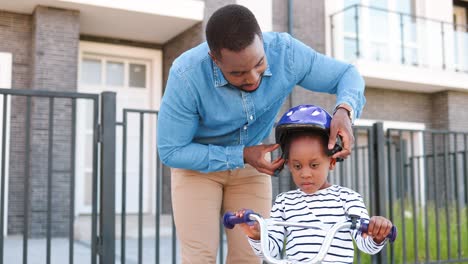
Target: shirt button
(245, 127)
(251, 117)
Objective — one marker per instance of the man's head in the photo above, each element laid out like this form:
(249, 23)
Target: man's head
(236, 46)
(308, 160)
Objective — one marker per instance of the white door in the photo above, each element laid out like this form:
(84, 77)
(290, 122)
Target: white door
(135, 76)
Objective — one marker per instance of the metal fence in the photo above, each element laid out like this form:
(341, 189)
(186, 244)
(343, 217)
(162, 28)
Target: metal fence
(428, 194)
(417, 178)
(38, 158)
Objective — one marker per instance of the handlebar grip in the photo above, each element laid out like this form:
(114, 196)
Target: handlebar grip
(364, 226)
(230, 219)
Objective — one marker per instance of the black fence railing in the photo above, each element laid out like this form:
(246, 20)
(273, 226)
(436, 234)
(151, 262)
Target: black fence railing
(417, 178)
(421, 183)
(428, 183)
(38, 169)
(376, 34)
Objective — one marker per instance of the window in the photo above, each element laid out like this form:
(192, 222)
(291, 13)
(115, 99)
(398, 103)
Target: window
(117, 73)
(460, 17)
(137, 75)
(387, 31)
(91, 71)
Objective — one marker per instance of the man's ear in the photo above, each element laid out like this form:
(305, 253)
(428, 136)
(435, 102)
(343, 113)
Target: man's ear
(213, 57)
(332, 164)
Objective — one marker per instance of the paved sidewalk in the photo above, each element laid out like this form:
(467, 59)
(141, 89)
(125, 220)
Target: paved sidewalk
(13, 245)
(13, 252)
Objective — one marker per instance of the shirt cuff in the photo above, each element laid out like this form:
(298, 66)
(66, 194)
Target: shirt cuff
(381, 244)
(256, 245)
(235, 157)
(353, 106)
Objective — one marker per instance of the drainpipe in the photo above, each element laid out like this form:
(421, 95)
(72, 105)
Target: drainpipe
(287, 175)
(290, 31)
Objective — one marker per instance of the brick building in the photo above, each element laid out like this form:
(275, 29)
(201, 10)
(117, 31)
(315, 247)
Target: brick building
(416, 77)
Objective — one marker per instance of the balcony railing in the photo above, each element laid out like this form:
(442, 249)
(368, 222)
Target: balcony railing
(370, 33)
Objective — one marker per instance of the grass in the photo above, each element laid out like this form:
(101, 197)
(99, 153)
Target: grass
(438, 246)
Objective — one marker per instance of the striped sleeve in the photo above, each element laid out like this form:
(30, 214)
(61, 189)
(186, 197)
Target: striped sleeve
(355, 206)
(276, 234)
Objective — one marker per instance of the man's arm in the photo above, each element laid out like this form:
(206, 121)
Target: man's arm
(177, 124)
(320, 73)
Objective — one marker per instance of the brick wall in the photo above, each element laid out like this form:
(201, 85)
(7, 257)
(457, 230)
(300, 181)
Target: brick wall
(384, 104)
(15, 32)
(45, 52)
(55, 42)
(458, 111)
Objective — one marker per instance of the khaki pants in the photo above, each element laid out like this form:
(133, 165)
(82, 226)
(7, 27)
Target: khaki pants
(200, 199)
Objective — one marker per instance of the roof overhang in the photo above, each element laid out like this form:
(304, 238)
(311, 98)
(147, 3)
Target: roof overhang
(155, 21)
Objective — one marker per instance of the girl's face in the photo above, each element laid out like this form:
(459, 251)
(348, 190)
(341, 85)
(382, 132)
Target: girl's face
(309, 164)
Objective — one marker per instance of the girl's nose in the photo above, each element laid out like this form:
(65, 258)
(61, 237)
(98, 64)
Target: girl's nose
(306, 174)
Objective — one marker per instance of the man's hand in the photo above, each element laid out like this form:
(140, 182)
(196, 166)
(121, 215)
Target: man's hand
(341, 125)
(379, 228)
(255, 156)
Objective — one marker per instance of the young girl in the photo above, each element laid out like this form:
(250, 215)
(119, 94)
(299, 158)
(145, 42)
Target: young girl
(303, 135)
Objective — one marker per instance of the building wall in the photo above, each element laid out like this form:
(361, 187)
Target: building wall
(384, 104)
(171, 50)
(15, 30)
(457, 111)
(45, 52)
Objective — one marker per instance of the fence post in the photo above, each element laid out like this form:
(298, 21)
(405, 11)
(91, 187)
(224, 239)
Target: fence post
(356, 20)
(380, 190)
(107, 188)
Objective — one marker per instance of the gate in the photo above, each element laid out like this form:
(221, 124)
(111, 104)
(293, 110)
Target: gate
(38, 169)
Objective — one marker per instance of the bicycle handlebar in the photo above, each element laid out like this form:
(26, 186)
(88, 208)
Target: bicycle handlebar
(364, 226)
(230, 220)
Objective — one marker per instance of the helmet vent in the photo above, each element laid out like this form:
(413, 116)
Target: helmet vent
(315, 113)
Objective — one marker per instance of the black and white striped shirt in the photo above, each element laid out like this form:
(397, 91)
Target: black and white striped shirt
(325, 207)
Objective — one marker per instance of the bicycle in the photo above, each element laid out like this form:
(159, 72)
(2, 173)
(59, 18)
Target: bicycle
(354, 223)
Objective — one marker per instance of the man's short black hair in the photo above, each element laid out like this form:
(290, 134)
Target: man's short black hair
(231, 27)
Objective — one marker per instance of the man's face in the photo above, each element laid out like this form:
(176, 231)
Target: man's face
(243, 69)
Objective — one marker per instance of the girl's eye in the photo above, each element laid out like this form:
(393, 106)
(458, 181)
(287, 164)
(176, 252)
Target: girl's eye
(297, 166)
(314, 165)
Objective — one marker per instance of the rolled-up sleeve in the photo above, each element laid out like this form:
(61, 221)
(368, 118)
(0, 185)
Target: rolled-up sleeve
(320, 73)
(178, 121)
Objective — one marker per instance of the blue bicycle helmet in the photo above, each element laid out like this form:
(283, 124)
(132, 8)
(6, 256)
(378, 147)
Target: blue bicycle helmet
(300, 119)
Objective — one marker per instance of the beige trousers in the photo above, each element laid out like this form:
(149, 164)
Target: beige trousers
(200, 199)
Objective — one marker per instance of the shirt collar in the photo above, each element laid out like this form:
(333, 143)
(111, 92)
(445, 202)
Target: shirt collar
(219, 79)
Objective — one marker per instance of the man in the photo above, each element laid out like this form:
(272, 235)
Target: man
(220, 103)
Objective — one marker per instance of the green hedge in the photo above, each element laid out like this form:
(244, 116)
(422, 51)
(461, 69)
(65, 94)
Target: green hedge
(456, 232)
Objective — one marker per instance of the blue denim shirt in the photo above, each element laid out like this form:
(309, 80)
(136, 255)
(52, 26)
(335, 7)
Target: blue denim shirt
(204, 122)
